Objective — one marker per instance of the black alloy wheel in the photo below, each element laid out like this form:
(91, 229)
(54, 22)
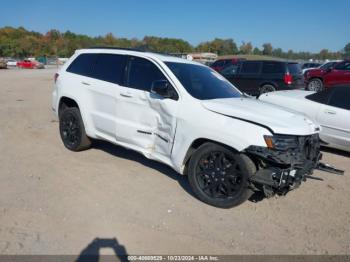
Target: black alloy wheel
(219, 176)
(72, 130)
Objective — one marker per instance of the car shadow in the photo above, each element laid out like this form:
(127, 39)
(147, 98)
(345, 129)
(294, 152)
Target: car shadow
(92, 252)
(335, 151)
(122, 152)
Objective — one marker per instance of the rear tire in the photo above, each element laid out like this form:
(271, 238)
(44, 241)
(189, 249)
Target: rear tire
(267, 88)
(315, 85)
(72, 130)
(219, 176)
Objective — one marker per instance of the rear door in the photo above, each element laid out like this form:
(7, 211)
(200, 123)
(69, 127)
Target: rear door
(104, 86)
(334, 117)
(144, 120)
(249, 76)
(272, 73)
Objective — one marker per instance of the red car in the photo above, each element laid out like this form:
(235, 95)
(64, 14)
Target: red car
(220, 64)
(318, 79)
(29, 64)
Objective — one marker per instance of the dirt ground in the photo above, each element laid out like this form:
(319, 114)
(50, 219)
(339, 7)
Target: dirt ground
(53, 201)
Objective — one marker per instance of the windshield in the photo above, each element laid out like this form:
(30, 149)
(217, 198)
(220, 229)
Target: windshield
(328, 65)
(201, 82)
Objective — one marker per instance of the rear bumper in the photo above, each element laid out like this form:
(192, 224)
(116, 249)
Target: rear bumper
(282, 171)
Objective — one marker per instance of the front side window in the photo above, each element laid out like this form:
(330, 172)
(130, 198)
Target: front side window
(341, 98)
(321, 97)
(250, 68)
(230, 70)
(201, 82)
(142, 73)
(343, 66)
(219, 63)
(110, 68)
(82, 65)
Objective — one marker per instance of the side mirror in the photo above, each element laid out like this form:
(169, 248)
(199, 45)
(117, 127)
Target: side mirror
(162, 88)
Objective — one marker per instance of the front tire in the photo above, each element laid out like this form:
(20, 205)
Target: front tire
(315, 85)
(218, 176)
(72, 130)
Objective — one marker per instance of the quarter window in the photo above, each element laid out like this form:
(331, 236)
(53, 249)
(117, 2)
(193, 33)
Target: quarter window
(142, 73)
(83, 64)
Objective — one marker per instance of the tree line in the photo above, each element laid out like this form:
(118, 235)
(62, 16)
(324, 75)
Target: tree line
(19, 42)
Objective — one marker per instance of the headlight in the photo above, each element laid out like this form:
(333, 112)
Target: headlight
(281, 142)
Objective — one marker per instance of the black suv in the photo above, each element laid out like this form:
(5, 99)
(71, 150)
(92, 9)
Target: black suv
(256, 77)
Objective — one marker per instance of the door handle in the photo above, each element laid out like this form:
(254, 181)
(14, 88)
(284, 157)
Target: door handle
(330, 112)
(126, 94)
(85, 83)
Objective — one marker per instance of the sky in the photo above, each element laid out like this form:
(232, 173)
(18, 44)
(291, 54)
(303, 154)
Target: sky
(301, 25)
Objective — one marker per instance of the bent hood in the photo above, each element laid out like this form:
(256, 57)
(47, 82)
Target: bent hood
(276, 118)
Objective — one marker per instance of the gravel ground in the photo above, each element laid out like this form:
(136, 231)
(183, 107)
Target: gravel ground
(54, 201)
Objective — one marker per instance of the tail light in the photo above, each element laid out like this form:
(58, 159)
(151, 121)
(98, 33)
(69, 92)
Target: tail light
(288, 79)
(55, 77)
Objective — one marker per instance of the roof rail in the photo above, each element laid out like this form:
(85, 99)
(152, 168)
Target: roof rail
(116, 48)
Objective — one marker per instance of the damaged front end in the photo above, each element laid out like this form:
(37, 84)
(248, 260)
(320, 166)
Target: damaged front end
(286, 162)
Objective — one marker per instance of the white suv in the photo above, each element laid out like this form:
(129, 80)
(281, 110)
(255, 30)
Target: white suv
(187, 116)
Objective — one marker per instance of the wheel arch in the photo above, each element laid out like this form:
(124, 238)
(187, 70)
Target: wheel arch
(66, 102)
(197, 143)
(271, 83)
(315, 77)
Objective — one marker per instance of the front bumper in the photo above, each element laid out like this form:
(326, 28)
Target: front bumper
(281, 171)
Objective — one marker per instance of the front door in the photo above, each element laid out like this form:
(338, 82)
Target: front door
(144, 120)
(340, 75)
(333, 117)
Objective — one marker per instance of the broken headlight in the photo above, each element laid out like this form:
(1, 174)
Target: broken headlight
(281, 142)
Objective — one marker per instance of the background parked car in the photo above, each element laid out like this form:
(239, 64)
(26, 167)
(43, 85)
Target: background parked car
(30, 64)
(220, 64)
(307, 66)
(257, 77)
(325, 66)
(11, 62)
(319, 79)
(3, 64)
(329, 108)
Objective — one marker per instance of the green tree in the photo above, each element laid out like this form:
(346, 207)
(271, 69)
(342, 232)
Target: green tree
(219, 46)
(257, 51)
(267, 49)
(347, 50)
(246, 48)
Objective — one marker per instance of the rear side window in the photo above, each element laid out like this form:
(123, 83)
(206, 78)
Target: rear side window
(110, 68)
(219, 63)
(250, 67)
(341, 98)
(83, 64)
(142, 73)
(273, 68)
(294, 68)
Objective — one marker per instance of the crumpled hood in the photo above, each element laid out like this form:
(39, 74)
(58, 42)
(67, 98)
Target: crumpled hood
(278, 119)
